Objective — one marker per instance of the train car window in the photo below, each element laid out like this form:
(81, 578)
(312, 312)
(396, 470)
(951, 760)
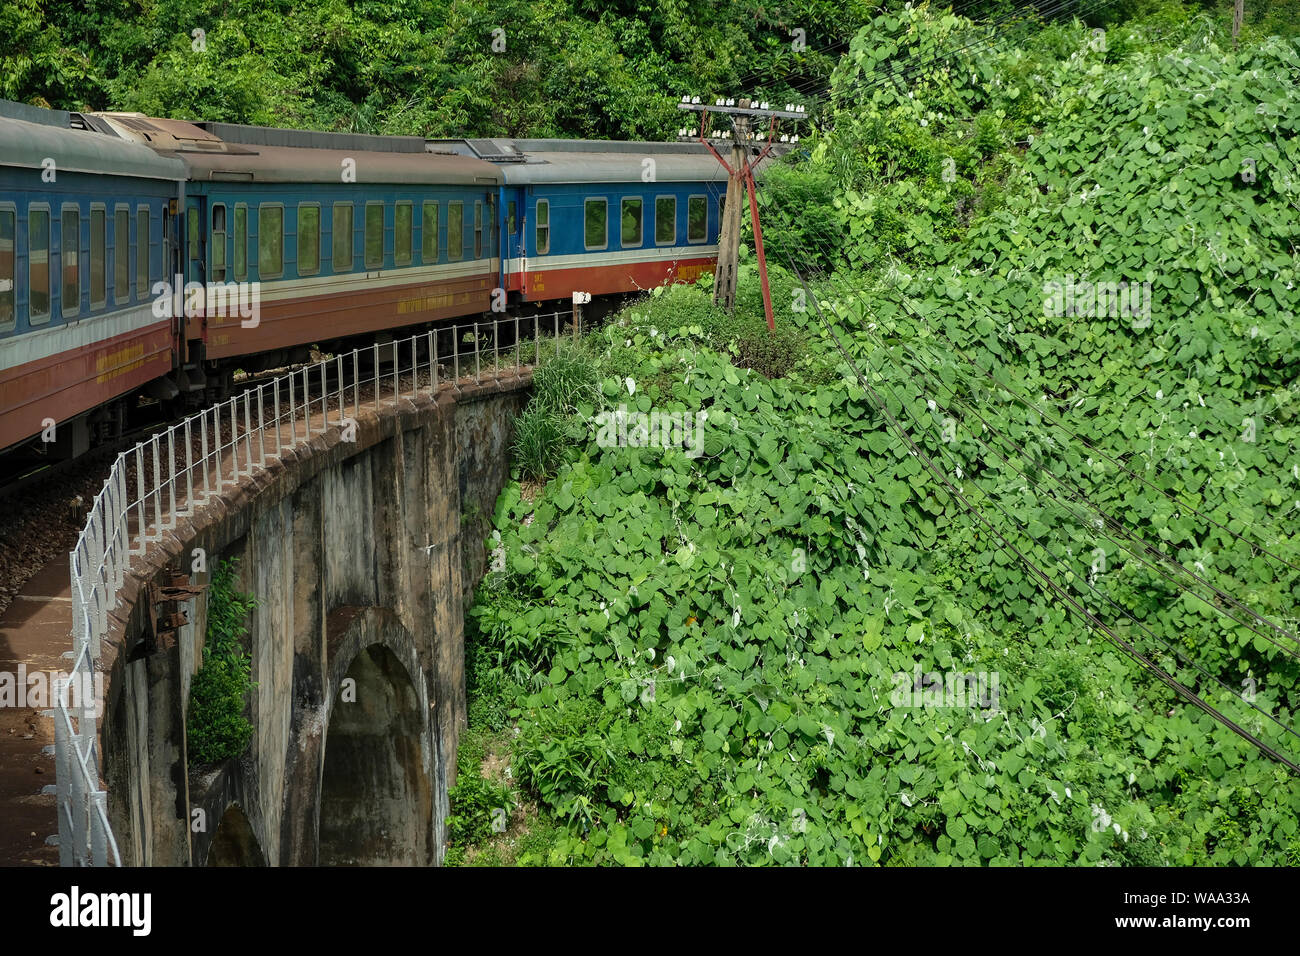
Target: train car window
(71, 261)
(8, 294)
(270, 241)
(697, 219)
(429, 233)
(98, 257)
(374, 235)
(217, 268)
(192, 231)
(478, 230)
(241, 242)
(142, 253)
(38, 265)
(403, 224)
(665, 220)
(595, 229)
(543, 227)
(510, 217)
(342, 237)
(631, 231)
(455, 230)
(308, 239)
(121, 254)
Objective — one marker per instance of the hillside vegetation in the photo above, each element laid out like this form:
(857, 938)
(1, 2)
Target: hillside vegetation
(697, 658)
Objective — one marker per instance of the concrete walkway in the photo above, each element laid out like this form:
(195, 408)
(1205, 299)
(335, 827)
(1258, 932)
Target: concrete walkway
(35, 631)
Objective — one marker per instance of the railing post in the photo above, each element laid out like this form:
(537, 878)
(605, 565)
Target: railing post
(338, 368)
(306, 403)
(455, 351)
(376, 353)
(157, 490)
(248, 432)
(98, 838)
(216, 446)
(234, 441)
(476, 359)
(63, 771)
(203, 436)
(120, 546)
(275, 398)
(293, 413)
(171, 477)
(141, 522)
(261, 428)
(189, 469)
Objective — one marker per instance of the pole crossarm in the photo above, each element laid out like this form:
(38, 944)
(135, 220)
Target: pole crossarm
(742, 111)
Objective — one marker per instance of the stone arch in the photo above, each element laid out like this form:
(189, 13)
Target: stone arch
(235, 843)
(376, 786)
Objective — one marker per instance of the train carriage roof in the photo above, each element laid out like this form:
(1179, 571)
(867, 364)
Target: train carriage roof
(259, 156)
(29, 137)
(530, 161)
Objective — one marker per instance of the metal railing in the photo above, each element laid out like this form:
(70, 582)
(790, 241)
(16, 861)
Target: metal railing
(179, 468)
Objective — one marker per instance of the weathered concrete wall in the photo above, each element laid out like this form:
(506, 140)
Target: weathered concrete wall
(361, 557)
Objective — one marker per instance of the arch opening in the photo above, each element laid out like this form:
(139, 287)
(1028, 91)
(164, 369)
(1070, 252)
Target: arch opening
(376, 804)
(234, 843)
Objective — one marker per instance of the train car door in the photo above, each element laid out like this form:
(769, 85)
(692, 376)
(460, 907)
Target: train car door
(194, 243)
(513, 239)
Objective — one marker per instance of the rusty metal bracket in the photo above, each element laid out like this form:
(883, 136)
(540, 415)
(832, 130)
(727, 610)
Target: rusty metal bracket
(165, 617)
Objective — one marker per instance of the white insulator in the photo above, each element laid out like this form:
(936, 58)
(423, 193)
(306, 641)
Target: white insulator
(686, 98)
(695, 100)
(731, 101)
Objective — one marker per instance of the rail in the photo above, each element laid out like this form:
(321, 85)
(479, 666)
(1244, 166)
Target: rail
(179, 468)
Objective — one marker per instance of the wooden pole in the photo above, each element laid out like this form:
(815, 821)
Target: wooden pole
(724, 287)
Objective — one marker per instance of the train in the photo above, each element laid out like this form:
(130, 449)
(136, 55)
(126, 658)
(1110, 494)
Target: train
(149, 257)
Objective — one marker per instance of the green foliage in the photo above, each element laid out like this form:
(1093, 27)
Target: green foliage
(539, 437)
(735, 623)
(474, 798)
(563, 385)
(216, 728)
(559, 67)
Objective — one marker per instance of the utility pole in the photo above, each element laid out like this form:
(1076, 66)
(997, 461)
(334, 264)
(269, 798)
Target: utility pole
(744, 118)
(1238, 15)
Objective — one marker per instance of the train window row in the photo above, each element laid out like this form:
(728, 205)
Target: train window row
(631, 234)
(270, 238)
(39, 277)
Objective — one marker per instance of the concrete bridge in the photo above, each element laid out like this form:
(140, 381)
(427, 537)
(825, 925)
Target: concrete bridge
(359, 529)
(361, 556)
